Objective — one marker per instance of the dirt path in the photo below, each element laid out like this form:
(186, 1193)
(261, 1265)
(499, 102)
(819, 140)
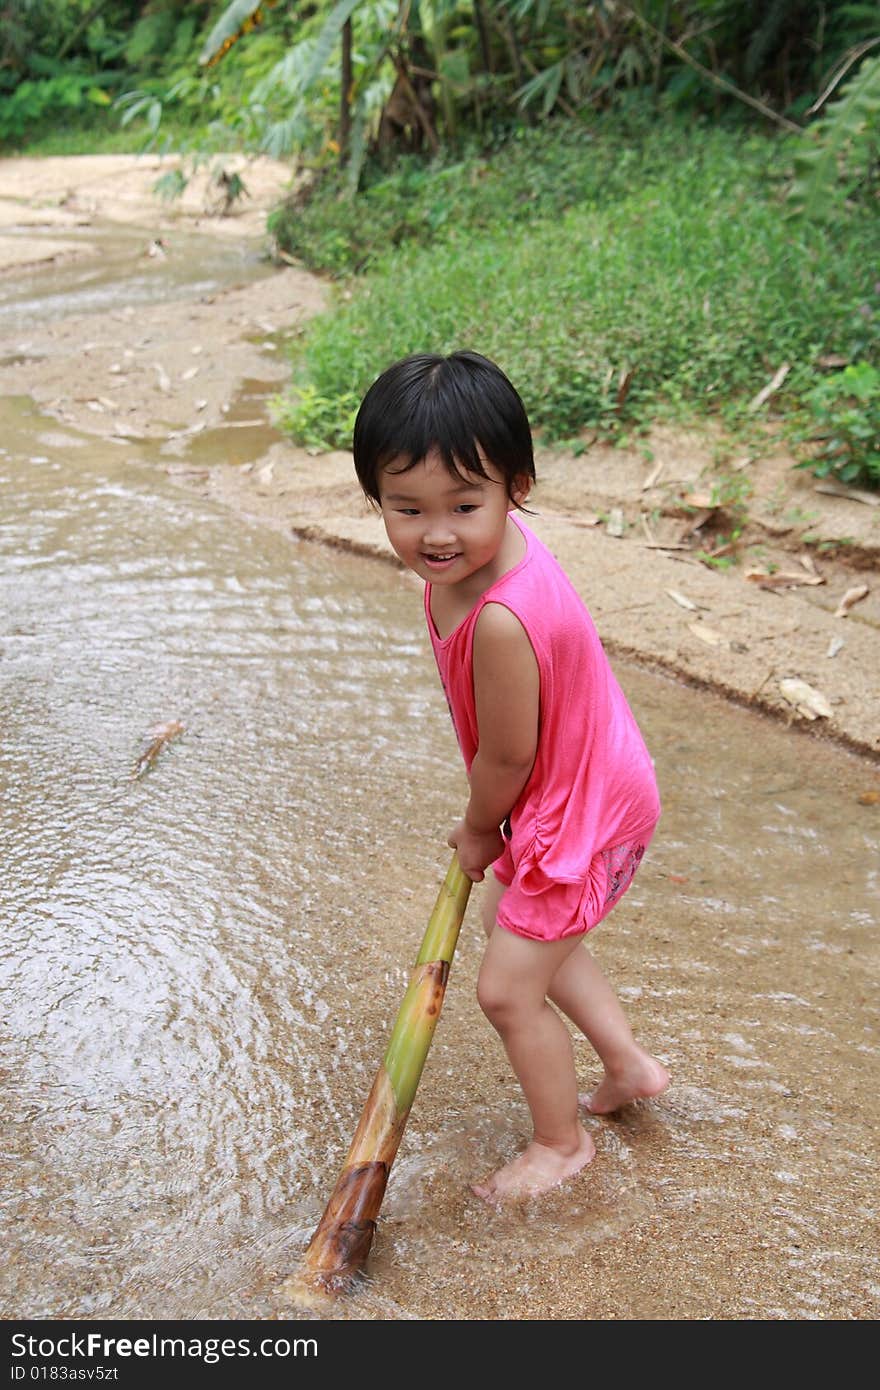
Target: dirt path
(629, 525)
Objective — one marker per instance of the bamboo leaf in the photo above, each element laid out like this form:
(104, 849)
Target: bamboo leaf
(326, 41)
(229, 27)
(545, 84)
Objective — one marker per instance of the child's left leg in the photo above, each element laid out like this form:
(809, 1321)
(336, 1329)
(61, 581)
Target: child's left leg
(514, 979)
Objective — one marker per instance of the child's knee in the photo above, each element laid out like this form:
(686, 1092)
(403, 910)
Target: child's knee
(494, 1000)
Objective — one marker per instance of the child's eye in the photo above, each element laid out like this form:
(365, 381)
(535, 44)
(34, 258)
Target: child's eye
(467, 507)
(408, 511)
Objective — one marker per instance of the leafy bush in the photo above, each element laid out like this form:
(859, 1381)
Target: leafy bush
(36, 102)
(845, 419)
(315, 418)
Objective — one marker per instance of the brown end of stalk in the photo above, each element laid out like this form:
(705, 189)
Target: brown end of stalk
(338, 1250)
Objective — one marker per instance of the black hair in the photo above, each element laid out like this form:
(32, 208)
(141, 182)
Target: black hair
(451, 404)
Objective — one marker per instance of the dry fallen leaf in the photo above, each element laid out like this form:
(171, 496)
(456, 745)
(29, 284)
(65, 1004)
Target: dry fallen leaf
(703, 500)
(851, 597)
(772, 386)
(615, 524)
(162, 378)
(782, 579)
(624, 381)
(682, 600)
(707, 634)
(186, 470)
(808, 701)
(654, 475)
(833, 488)
(868, 798)
(835, 645)
(161, 735)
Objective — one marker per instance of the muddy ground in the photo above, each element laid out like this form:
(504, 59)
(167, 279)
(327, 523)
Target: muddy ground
(712, 559)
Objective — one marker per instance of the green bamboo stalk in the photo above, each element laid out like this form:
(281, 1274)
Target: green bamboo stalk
(338, 1249)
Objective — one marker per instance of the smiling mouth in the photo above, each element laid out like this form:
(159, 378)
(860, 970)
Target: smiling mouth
(440, 559)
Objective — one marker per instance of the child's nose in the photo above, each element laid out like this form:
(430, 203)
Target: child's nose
(437, 530)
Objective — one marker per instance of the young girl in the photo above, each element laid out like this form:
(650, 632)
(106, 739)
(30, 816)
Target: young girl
(563, 800)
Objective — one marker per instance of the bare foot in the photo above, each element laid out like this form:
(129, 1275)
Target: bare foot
(535, 1170)
(643, 1076)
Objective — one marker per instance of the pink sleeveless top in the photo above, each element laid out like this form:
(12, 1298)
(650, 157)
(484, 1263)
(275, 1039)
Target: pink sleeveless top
(592, 786)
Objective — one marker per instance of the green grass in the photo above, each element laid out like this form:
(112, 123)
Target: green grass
(571, 256)
(103, 140)
(100, 133)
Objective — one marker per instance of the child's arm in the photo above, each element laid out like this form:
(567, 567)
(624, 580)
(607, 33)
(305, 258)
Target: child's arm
(507, 699)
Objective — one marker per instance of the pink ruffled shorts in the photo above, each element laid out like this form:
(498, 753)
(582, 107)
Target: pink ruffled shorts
(568, 909)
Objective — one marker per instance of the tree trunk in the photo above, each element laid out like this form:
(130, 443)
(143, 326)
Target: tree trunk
(345, 94)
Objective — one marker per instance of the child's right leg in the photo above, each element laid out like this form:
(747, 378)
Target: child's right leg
(584, 995)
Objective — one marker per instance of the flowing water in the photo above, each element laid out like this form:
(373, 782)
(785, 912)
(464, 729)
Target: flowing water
(200, 964)
(116, 267)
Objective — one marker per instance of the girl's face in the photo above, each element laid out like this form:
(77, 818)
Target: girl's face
(447, 529)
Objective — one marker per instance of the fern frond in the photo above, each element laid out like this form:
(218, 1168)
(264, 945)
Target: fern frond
(840, 145)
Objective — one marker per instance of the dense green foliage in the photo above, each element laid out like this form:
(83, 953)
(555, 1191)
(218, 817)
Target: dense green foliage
(60, 61)
(659, 252)
(421, 72)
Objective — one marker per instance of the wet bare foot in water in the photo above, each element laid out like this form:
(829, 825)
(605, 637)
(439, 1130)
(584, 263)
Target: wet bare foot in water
(537, 1169)
(643, 1077)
